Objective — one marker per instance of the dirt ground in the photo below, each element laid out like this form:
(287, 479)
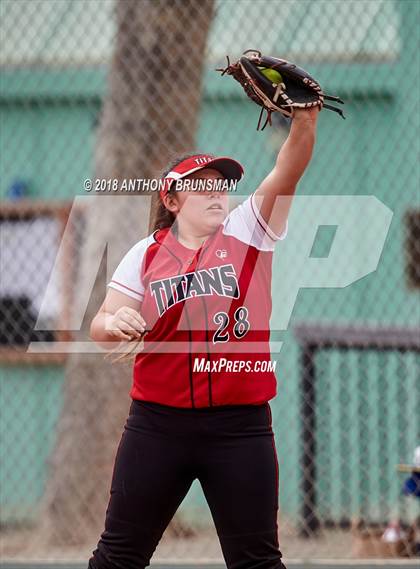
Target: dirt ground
(27, 545)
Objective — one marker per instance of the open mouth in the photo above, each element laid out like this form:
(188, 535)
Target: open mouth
(216, 206)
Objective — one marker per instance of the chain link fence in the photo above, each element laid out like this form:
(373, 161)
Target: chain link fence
(110, 90)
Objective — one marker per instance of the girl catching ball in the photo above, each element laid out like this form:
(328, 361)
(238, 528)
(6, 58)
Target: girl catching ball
(196, 294)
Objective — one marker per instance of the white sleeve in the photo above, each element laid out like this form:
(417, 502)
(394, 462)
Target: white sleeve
(127, 276)
(247, 224)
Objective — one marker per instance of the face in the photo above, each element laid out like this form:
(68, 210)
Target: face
(202, 210)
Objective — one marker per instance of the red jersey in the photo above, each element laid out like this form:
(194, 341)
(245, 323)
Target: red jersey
(207, 312)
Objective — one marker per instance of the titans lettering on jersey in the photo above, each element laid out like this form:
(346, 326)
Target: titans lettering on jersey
(221, 281)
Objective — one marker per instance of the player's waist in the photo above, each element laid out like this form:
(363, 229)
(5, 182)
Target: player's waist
(138, 407)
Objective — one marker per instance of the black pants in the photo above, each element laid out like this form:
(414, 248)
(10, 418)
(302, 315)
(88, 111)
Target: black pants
(230, 450)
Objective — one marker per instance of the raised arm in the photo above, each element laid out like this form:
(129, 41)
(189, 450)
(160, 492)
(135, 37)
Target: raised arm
(291, 163)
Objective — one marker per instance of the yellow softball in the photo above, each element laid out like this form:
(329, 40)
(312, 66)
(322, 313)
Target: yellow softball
(272, 75)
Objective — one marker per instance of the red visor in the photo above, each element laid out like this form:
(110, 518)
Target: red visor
(229, 168)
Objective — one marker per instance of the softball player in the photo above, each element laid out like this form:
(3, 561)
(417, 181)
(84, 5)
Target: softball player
(200, 286)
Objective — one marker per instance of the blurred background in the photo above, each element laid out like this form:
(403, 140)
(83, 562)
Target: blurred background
(112, 89)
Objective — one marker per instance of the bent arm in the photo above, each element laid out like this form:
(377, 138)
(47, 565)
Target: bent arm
(117, 319)
(274, 195)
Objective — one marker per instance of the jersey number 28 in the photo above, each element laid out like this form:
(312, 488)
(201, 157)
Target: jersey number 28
(240, 328)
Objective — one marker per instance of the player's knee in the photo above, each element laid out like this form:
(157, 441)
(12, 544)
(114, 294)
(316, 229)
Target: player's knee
(100, 560)
(92, 564)
(252, 551)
